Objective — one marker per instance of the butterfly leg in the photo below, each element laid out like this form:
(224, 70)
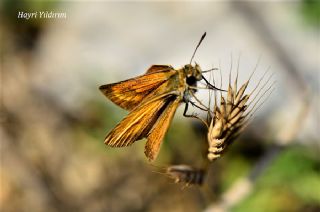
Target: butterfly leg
(197, 106)
(193, 115)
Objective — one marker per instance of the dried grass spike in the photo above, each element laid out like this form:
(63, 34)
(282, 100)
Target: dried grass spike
(186, 174)
(232, 114)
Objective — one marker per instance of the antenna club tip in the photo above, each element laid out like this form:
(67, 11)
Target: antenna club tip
(202, 37)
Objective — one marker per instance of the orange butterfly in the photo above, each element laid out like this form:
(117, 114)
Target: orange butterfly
(152, 100)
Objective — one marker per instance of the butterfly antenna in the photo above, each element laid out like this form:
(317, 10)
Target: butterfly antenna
(201, 39)
(210, 85)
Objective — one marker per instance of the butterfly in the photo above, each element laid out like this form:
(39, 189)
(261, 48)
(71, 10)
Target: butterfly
(152, 100)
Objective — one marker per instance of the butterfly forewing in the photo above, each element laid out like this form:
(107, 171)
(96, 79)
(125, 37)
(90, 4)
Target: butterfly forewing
(129, 93)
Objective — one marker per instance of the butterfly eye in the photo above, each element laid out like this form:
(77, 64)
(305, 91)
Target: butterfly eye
(191, 80)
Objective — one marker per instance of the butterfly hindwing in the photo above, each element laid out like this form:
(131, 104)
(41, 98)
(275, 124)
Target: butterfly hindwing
(157, 68)
(159, 129)
(139, 122)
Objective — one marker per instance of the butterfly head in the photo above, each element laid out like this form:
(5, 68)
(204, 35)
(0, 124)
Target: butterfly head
(193, 73)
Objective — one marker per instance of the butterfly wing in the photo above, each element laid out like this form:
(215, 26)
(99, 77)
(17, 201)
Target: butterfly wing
(139, 121)
(129, 93)
(160, 128)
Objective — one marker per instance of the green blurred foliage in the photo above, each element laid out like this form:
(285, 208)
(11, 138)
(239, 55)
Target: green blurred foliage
(234, 167)
(310, 10)
(291, 183)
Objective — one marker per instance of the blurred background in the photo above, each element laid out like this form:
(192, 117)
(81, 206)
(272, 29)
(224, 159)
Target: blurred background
(54, 118)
